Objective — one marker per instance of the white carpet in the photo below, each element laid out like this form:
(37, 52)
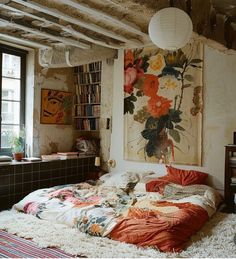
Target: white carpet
(216, 239)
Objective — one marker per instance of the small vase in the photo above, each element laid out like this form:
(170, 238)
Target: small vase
(17, 156)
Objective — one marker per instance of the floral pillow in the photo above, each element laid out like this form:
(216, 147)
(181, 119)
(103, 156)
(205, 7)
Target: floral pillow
(123, 180)
(128, 180)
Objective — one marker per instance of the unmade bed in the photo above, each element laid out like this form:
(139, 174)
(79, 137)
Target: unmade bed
(137, 208)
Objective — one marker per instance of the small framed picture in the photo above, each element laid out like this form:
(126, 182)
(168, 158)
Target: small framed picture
(56, 107)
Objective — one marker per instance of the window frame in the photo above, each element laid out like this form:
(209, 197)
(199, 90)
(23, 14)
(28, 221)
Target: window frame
(22, 54)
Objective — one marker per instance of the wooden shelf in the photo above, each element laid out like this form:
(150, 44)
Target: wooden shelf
(88, 96)
(78, 104)
(94, 83)
(230, 171)
(84, 117)
(96, 71)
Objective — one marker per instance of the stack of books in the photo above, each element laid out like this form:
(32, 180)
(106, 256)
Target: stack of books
(52, 157)
(63, 156)
(68, 155)
(232, 160)
(31, 159)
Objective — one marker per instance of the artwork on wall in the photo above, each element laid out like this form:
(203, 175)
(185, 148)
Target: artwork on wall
(163, 105)
(56, 107)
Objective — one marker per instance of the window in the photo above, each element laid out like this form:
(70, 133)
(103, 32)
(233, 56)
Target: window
(12, 93)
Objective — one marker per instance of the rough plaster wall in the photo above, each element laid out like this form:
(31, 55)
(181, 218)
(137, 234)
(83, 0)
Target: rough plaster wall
(219, 121)
(106, 109)
(219, 117)
(49, 138)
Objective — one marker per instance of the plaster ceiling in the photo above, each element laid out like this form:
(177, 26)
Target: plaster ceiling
(109, 23)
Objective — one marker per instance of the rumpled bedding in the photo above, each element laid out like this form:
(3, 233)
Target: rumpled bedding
(163, 221)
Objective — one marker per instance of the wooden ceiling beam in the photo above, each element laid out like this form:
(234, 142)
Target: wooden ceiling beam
(68, 29)
(106, 17)
(23, 41)
(64, 40)
(63, 16)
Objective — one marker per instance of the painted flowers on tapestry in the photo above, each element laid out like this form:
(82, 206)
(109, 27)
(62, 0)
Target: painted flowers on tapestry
(163, 105)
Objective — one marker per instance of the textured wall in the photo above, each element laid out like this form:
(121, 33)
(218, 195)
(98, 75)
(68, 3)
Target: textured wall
(49, 138)
(219, 121)
(219, 116)
(106, 109)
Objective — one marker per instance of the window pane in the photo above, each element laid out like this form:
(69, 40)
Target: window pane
(11, 65)
(11, 89)
(8, 131)
(10, 112)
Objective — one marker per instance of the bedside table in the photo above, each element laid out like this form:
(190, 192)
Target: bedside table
(95, 175)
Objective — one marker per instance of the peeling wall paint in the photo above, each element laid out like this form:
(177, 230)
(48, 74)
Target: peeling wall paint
(48, 138)
(106, 110)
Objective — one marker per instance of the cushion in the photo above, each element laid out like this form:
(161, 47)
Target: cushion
(140, 188)
(120, 180)
(158, 184)
(185, 177)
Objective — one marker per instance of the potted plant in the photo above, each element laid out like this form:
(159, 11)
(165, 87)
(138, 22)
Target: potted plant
(17, 146)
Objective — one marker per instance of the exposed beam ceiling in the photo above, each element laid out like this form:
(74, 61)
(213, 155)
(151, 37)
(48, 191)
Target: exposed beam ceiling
(108, 18)
(37, 32)
(49, 22)
(76, 21)
(22, 41)
(112, 24)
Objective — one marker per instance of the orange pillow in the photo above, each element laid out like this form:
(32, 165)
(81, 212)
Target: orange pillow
(158, 184)
(185, 177)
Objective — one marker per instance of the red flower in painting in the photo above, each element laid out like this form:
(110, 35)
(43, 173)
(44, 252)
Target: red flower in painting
(139, 70)
(158, 106)
(150, 85)
(130, 78)
(129, 58)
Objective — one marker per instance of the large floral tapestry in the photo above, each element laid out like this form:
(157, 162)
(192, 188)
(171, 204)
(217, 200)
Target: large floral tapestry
(163, 105)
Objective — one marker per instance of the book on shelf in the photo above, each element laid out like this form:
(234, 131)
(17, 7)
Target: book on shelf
(87, 124)
(51, 157)
(233, 180)
(67, 155)
(77, 154)
(232, 159)
(32, 159)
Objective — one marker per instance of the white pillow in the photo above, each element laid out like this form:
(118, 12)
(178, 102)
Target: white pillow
(120, 180)
(140, 187)
(104, 177)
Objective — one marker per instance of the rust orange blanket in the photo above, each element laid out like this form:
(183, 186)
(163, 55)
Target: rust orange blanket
(166, 231)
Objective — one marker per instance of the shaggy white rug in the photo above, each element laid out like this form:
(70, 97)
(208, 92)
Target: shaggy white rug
(216, 238)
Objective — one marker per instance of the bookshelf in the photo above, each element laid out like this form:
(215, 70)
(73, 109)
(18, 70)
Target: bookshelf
(230, 176)
(87, 96)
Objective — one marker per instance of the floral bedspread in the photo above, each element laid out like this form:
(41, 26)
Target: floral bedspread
(141, 218)
(94, 210)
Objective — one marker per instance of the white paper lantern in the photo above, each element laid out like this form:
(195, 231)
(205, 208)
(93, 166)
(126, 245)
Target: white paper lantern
(170, 28)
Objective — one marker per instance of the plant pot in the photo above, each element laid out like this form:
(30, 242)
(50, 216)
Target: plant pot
(17, 156)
